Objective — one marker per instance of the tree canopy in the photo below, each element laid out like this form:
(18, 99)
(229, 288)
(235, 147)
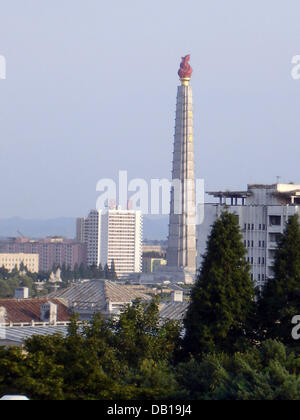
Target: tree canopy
(222, 298)
(280, 300)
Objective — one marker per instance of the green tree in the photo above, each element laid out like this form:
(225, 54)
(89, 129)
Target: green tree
(83, 271)
(76, 272)
(140, 334)
(106, 272)
(5, 289)
(267, 372)
(222, 298)
(280, 300)
(113, 274)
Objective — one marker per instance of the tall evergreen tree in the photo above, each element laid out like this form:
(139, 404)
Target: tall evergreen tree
(222, 298)
(281, 296)
(113, 274)
(76, 272)
(83, 271)
(101, 272)
(106, 272)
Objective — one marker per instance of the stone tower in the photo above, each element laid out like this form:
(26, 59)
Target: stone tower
(181, 252)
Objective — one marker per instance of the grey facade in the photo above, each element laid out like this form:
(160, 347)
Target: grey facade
(181, 253)
(263, 211)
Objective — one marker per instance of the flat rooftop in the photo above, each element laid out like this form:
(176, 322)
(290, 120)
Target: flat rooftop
(290, 190)
(230, 194)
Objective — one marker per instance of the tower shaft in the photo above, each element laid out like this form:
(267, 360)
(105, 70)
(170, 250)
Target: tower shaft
(182, 227)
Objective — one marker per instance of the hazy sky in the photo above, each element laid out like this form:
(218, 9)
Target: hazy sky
(91, 90)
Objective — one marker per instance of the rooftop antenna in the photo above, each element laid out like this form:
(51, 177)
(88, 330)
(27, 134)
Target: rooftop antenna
(278, 179)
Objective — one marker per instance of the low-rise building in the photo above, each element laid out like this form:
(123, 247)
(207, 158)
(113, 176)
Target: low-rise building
(24, 318)
(176, 309)
(11, 261)
(104, 296)
(151, 265)
(154, 249)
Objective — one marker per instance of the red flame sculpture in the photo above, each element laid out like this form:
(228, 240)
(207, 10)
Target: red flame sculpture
(185, 71)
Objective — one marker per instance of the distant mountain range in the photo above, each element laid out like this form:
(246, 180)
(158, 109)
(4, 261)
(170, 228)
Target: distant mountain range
(36, 228)
(155, 227)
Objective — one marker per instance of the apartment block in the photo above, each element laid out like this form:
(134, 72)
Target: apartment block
(11, 261)
(51, 251)
(121, 240)
(263, 211)
(113, 235)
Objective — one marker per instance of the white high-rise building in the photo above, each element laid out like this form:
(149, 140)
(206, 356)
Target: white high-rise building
(263, 211)
(113, 235)
(121, 240)
(92, 237)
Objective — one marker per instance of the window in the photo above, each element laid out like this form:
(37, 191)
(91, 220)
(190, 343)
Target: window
(275, 220)
(274, 237)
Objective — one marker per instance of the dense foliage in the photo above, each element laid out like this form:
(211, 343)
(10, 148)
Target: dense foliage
(235, 346)
(133, 358)
(127, 358)
(280, 300)
(9, 281)
(222, 298)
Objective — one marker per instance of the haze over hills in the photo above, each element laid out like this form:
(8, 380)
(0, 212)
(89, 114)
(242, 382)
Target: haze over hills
(155, 227)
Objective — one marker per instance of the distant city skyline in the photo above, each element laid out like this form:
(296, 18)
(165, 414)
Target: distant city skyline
(89, 91)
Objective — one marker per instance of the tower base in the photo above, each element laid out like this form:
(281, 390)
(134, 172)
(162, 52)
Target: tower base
(169, 274)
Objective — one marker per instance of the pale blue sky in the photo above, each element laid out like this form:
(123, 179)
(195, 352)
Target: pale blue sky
(91, 89)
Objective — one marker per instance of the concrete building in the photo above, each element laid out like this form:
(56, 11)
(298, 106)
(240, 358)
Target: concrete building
(51, 251)
(263, 211)
(81, 232)
(121, 240)
(11, 261)
(92, 237)
(21, 319)
(22, 293)
(176, 309)
(103, 296)
(152, 265)
(113, 235)
(154, 249)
